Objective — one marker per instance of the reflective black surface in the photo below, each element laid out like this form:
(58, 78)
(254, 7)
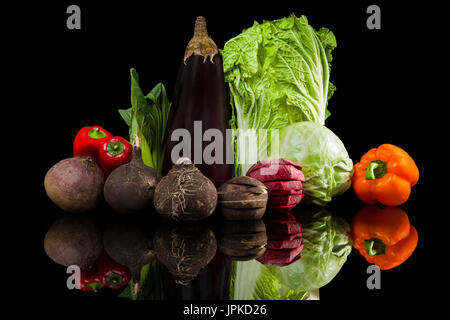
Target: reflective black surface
(195, 260)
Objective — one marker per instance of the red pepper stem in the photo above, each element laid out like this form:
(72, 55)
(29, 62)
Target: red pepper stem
(96, 133)
(376, 170)
(115, 148)
(95, 286)
(114, 279)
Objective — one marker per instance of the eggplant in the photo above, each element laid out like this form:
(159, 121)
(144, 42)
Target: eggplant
(200, 95)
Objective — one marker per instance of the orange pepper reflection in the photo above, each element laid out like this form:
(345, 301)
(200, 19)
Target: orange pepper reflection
(384, 237)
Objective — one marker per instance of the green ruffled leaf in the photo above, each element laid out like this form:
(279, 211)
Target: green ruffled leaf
(148, 118)
(278, 74)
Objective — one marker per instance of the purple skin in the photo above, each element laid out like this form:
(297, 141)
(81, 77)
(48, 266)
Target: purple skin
(75, 184)
(281, 257)
(286, 200)
(284, 187)
(74, 240)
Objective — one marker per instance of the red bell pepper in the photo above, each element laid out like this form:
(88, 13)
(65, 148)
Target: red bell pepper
(88, 141)
(113, 275)
(114, 152)
(90, 280)
(105, 273)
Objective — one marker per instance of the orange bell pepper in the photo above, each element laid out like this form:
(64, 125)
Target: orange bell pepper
(383, 237)
(385, 174)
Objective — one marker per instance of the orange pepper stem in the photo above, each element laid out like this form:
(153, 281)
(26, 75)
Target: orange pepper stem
(376, 169)
(374, 247)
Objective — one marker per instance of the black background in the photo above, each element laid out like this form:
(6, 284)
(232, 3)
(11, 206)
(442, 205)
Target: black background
(73, 78)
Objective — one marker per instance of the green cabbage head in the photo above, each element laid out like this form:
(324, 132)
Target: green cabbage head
(327, 243)
(325, 162)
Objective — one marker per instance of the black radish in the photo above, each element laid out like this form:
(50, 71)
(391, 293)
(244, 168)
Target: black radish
(185, 194)
(184, 249)
(128, 239)
(130, 188)
(242, 198)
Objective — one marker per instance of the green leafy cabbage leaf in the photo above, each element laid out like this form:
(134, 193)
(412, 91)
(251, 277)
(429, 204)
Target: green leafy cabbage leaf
(278, 74)
(327, 243)
(325, 162)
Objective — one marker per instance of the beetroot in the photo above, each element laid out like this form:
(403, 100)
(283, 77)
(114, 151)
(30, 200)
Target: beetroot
(276, 172)
(283, 225)
(271, 162)
(283, 179)
(284, 240)
(74, 239)
(286, 200)
(284, 187)
(288, 241)
(280, 257)
(75, 184)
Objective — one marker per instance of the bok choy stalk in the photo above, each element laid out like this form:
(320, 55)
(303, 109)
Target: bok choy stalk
(278, 73)
(148, 118)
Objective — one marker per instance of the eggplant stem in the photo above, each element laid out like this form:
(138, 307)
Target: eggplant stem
(200, 27)
(201, 44)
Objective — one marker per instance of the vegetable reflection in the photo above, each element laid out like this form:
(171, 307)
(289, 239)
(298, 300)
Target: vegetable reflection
(244, 240)
(327, 243)
(384, 237)
(284, 240)
(184, 249)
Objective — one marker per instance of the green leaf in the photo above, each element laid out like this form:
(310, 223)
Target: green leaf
(127, 291)
(126, 115)
(278, 74)
(251, 280)
(149, 116)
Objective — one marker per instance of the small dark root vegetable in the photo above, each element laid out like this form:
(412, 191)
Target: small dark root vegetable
(130, 187)
(184, 249)
(242, 198)
(185, 194)
(74, 240)
(129, 241)
(75, 184)
(243, 241)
